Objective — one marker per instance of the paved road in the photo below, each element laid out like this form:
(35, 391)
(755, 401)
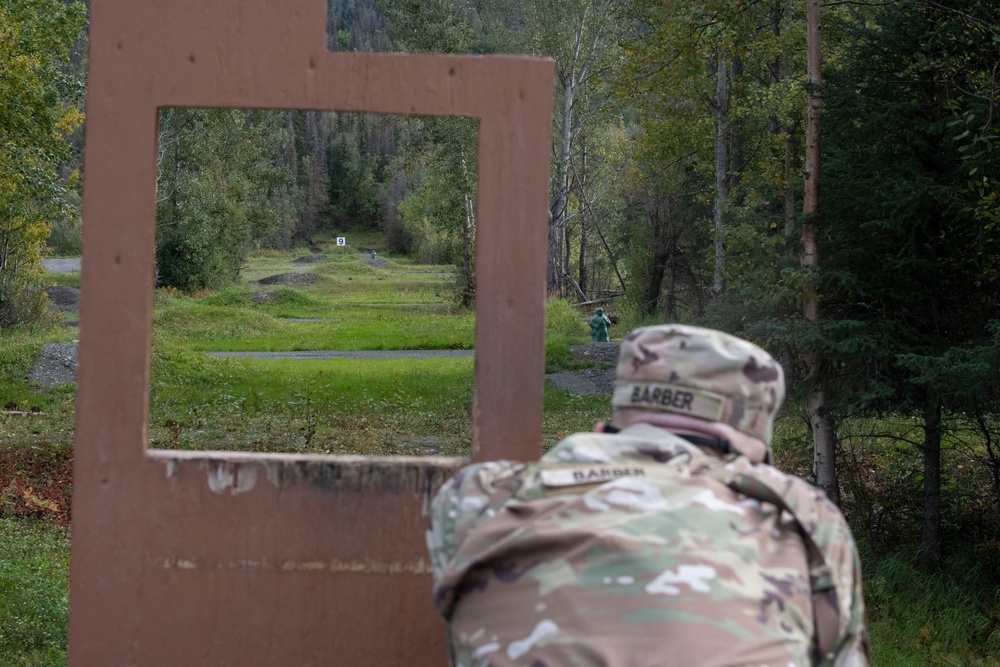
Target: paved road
(352, 354)
(69, 265)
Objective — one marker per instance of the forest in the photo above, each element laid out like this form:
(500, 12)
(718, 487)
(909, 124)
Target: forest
(828, 193)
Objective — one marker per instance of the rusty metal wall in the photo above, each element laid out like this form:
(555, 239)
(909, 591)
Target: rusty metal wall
(212, 558)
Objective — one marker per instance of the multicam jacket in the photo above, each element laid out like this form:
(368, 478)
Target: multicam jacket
(641, 549)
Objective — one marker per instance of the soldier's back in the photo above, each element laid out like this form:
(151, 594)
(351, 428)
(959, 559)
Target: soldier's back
(644, 557)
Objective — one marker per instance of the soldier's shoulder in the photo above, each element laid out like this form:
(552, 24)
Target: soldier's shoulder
(819, 516)
(477, 486)
(478, 475)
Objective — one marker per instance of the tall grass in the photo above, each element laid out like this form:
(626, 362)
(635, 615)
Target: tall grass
(921, 619)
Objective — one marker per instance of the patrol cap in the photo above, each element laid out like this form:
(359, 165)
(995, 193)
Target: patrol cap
(680, 371)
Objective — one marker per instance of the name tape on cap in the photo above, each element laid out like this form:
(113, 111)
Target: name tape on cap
(669, 398)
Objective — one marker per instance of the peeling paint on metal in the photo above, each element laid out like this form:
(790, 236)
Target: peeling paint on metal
(223, 475)
(357, 566)
(237, 474)
(364, 566)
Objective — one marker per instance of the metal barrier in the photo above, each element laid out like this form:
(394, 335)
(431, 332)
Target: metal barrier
(214, 558)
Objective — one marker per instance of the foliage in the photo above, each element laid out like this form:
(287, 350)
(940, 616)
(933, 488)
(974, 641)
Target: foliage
(434, 210)
(908, 293)
(674, 57)
(218, 189)
(39, 112)
(564, 325)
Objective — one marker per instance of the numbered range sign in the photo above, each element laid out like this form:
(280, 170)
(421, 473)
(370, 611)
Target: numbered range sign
(341, 241)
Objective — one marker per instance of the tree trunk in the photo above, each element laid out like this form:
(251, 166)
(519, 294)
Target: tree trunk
(582, 264)
(824, 432)
(780, 70)
(736, 143)
(992, 452)
(567, 242)
(661, 255)
(557, 216)
(930, 535)
(721, 186)
(600, 235)
(789, 226)
(317, 188)
(670, 297)
(468, 242)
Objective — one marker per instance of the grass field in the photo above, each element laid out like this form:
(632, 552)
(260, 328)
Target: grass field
(34, 593)
(374, 407)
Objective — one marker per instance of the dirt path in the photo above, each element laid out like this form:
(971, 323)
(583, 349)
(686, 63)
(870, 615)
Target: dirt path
(66, 265)
(56, 363)
(351, 354)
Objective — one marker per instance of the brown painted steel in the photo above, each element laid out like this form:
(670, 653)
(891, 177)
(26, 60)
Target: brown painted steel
(210, 558)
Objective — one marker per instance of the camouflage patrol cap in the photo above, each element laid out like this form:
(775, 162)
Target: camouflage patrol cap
(690, 372)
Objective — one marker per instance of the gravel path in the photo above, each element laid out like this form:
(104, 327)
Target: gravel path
(56, 363)
(67, 265)
(598, 379)
(352, 354)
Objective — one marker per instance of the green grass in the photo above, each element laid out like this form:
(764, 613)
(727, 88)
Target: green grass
(67, 279)
(402, 306)
(381, 407)
(335, 406)
(340, 406)
(920, 619)
(34, 593)
(204, 327)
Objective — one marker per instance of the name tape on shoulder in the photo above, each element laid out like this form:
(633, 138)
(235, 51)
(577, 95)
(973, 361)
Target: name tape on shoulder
(669, 398)
(590, 474)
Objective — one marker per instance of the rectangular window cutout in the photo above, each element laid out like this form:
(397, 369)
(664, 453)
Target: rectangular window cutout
(314, 282)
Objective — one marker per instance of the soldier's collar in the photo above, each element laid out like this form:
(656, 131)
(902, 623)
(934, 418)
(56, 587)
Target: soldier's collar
(640, 442)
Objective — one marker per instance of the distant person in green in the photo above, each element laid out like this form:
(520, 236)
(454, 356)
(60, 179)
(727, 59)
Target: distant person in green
(599, 324)
(374, 256)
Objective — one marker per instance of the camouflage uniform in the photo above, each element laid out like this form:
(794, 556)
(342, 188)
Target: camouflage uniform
(641, 548)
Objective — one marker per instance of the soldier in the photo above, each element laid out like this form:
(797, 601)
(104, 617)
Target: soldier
(664, 538)
(599, 324)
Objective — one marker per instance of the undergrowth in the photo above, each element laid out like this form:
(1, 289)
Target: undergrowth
(949, 618)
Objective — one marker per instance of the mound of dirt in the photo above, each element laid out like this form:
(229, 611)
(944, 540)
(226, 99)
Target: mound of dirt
(56, 364)
(377, 263)
(288, 279)
(260, 297)
(310, 259)
(64, 299)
